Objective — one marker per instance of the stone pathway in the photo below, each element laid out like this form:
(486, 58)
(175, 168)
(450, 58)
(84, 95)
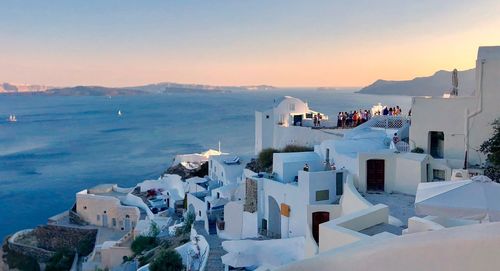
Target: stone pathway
(214, 262)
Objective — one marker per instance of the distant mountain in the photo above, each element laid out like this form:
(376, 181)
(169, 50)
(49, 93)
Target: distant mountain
(18, 88)
(87, 91)
(434, 85)
(167, 87)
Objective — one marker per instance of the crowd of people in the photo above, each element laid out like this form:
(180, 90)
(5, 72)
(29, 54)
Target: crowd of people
(355, 118)
(391, 111)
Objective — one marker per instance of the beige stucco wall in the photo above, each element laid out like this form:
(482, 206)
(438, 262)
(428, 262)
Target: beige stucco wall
(88, 206)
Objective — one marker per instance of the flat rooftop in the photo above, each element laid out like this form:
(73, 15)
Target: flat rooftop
(401, 206)
(382, 227)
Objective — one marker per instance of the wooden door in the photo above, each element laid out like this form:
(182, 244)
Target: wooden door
(375, 174)
(318, 218)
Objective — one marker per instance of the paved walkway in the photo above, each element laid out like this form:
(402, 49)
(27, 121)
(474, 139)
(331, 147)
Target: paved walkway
(214, 262)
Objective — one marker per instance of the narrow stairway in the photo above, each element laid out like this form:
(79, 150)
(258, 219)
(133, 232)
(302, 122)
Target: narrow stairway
(214, 262)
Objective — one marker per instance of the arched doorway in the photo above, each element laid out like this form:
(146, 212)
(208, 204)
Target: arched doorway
(274, 219)
(375, 174)
(318, 218)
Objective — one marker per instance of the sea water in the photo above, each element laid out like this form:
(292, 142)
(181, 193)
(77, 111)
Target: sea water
(62, 145)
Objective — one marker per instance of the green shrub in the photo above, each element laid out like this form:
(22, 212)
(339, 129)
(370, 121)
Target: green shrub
(265, 159)
(167, 260)
(491, 148)
(188, 222)
(62, 261)
(19, 261)
(418, 150)
(142, 243)
(85, 246)
(296, 148)
(154, 230)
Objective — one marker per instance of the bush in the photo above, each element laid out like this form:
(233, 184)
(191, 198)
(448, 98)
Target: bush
(167, 260)
(154, 230)
(85, 246)
(188, 223)
(265, 159)
(491, 148)
(296, 148)
(19, 261)
(60, 262)
(142, 243)
(418, 150)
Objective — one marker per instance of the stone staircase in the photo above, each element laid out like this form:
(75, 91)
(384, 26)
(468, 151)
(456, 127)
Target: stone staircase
(214, 262)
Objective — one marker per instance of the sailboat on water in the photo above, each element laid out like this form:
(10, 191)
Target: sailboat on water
(12, 118)
(119, 113)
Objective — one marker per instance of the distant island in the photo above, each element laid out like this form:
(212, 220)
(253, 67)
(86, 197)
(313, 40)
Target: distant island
(434, 85)
(159, 88)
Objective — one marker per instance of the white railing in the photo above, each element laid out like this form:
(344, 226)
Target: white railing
(402, 146)
(386, 122)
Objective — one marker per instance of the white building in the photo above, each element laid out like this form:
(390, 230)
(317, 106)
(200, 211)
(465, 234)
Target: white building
(289, 122)
(448, 128)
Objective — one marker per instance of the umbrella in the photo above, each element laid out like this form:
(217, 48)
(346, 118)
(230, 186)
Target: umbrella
(468, 199)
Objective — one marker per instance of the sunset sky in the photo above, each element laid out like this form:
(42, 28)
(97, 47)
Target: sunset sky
(239, 42)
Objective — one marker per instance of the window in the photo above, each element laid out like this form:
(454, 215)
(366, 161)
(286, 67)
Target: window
(322, 195)
(218, 195)
(98, 217)
(199, 213)
(104, 211)
(127, 216)
(113, 222)
(84, 207)
(267, 116)
(292, 107)
(438, 175)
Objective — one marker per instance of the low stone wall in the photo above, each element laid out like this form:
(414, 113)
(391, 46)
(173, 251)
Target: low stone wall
(52, 237)
(38, 253)
(47, 239)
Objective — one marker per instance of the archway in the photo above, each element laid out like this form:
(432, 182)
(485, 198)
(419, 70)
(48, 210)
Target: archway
(274, 219)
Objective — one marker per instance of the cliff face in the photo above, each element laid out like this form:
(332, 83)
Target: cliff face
(185, 173)
(434, 85)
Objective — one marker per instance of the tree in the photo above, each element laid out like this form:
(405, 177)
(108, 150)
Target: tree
(491, 148)
(167, 260)
(142, 243)
(154, 230)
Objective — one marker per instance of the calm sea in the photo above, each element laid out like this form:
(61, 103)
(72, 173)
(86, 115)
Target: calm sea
(61, 145)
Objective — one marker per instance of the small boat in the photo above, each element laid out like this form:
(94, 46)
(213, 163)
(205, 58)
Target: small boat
(119, 113)
(12, 118)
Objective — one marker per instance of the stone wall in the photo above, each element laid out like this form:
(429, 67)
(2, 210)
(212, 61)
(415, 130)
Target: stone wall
(46, 240)
(53, 238)
(251, 196)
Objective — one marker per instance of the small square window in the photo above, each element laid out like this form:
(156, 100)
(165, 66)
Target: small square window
(322, 195)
